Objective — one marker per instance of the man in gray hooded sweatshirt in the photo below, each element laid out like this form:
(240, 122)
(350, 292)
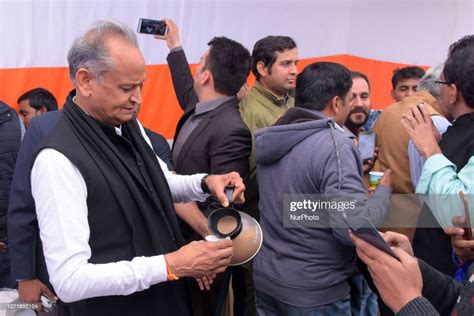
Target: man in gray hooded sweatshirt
(304, 270)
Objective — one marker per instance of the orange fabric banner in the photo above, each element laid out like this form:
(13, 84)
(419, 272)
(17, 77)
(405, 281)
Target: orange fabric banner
(160, 110)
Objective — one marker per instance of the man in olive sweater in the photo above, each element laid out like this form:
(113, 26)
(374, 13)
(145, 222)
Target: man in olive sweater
(274, 60)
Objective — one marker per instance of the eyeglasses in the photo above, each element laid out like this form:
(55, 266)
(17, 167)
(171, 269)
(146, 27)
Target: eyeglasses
(443, 82)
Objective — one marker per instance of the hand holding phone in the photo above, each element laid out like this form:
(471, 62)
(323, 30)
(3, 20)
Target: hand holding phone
(464, 222)
(171, 36)
(367, 145)
(365, 230)
(47, 303)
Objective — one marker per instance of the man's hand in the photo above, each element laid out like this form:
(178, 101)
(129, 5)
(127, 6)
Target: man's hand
(464, 249)
(190, 213)
(421, 130)
(399, 241)
(398, 282)
(3, 246)
(217, 184)
(205, 282)
(200, 258)
(369, 164)
(30, 291)
(386, 180)
(172, 37)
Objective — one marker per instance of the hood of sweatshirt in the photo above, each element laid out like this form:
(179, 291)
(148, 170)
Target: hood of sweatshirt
(297, 124)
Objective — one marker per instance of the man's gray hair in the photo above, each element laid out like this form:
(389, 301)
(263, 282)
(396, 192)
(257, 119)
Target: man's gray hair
(90, 50)
(427, 82)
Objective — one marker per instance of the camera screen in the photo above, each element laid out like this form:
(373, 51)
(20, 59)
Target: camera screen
(152, 27)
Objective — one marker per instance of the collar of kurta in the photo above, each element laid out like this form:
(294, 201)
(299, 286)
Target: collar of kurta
(279, 101)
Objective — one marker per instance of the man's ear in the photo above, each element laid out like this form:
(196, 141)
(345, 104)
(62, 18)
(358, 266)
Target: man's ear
(206, 77)
(43, 109)
(262, 69)
(84, 80)
(336, 104)
(392, 93)
(332, 108)
(453, 93)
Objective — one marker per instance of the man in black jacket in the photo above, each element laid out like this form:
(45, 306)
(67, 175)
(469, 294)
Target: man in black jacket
(210, 136)
(10, 139)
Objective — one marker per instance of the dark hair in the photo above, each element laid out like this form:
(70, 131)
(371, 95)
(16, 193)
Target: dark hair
(319, 83)
(459, 67)
(38, 98)
(229, 63)
(265, 49)
(358, 74)
(465, 42)
(411, 72)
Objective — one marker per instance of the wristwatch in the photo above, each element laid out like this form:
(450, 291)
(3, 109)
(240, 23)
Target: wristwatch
(204, 186)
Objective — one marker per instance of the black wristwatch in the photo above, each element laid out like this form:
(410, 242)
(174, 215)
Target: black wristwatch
(204, 186)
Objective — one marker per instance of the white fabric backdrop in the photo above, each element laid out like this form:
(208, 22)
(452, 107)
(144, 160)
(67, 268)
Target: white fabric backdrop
(38, 33)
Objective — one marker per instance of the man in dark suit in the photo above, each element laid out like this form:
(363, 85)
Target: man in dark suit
(210, 136)
(11, 133)
(26, 255)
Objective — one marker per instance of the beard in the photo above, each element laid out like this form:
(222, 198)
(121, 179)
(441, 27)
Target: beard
(351, 124)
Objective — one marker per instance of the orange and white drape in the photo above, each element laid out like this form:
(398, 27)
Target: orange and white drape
(372, 36)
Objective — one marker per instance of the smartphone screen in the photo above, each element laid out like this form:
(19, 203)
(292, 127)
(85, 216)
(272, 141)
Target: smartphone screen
(365, 230)
(153, 27)
(367, 145)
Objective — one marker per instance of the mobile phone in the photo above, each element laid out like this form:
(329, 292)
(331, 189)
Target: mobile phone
(363, 228)
(467, 218)
(152, 27)
(367, 145)
(47, 303)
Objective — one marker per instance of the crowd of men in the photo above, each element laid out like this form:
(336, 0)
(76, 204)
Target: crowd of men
(103, 218)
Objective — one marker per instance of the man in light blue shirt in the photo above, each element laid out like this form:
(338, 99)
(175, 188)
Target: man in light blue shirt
(456, 149)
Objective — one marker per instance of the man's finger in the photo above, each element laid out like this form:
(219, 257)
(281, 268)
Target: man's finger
(424, 112)
(407, 122)
(211, 278)
(454, 231)
(200, 284)
(364, 250)
(206, 282)
(48, 292)
(462, 243)
(403, 256)
(236, 181)
(415, 110)
(222, 244)
(239, 198)
(222, 198)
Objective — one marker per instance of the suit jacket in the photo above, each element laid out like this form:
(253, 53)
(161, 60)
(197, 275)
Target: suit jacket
(26, 253)
(160, 147)
(221, 142)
